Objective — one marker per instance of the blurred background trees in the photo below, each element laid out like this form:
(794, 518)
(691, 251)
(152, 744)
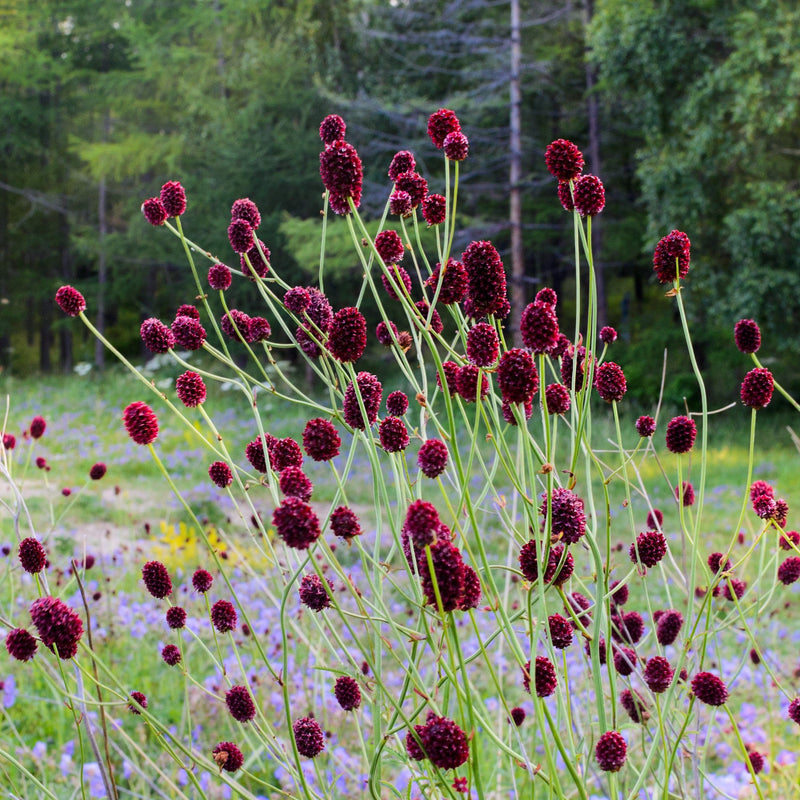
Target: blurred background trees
(687, 109)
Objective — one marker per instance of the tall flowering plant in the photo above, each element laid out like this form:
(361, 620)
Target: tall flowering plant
(473, 630)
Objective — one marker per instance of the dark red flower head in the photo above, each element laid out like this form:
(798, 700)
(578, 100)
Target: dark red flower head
(609, 380)
(402, 161)
(344, 523)
(190, 389)
(347, 335)
(70, 301)
(450, 370)
(471, 596)
(187, 310)
(747, 335)
(220, 473)
(313, 593)
(98, 471)
(254, 452)
(756, 760)
(671, 257)
(434, 209)
(202, 580)
(9, 441)
(389, 246)
(561, 631)
(294, 482)
(259, 263)
(342, 174)
(21, 645)
(658, 674)
(563, 160)
(240, 703)
(154, 211)
(568, 363)
(668, 625)
(607, 335)
(400, 203)
(681, 433)
(171, 655)
(347, 693)
(156, 579)
(757, 388)
(176, 617)
(539, 326)
(297, 299)
(156, 336)
(386, 334)
(241, 236)
(308, 737)
(173, 198)
(397, 403)
(517, 376)
(610, 751)
(219, 277)
(686, 496)
(423, 308)
(397, 280)
(556, 397)
(634, 705)
(246, 209)
(454, 282)
(393, 435)
(371, 391)
(188, 332)
(544, 676)
(138, 701)
(565, 196)
(332, 129)
(444, 743)
(649, 549)
(296, 523)
(589, 196)
(235, 325)
(569, 517)
(58, 625)
(223, 616)
(529, 564)
(483, 346)
(141, 423)
(456, 146)
(228, 756)
(31, 555)
(789, 570)
(709, 689)
(486, 279)
(645, 426)
(440, 124)
(467, 382)
(518, 715)
(414, 184)
(421, 523)
(432, 458)
(321, 440)
(793, 712)
(655, 519)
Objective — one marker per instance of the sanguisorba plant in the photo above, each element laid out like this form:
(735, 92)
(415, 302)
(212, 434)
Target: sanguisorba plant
(471, 629)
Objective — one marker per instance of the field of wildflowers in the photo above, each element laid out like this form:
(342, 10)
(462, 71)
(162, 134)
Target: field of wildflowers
(487, 583)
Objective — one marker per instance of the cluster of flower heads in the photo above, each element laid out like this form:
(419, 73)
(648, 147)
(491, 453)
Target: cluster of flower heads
(580, 192)
(440, 740)
(446, 580)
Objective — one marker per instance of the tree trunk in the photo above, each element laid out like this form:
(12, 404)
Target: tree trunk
(515, 143)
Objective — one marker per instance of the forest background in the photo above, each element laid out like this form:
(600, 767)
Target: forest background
(687, 109)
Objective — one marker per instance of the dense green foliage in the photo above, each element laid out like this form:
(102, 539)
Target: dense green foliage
(697, 124)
